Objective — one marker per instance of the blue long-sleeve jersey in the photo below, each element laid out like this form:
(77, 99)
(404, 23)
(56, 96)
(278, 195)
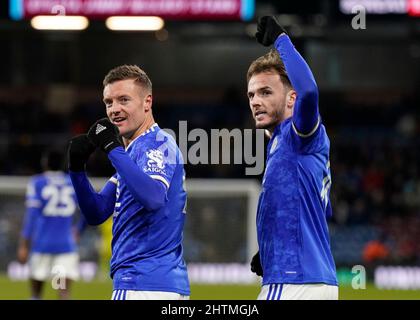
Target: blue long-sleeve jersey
(50, 208)
(294, 203)
(147, 200)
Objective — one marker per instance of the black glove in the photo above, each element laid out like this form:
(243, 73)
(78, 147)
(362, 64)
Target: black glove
(78, 152)
(105, 135)
(256, 265)
(268, 30)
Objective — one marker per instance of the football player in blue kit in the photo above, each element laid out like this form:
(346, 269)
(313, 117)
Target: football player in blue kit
(294, 257)
(48, 240)
(146, 196)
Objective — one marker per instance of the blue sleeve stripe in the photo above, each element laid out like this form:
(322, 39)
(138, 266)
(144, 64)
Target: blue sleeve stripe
(270, 291)
(119, 295)
(279, 292)
(273, 294)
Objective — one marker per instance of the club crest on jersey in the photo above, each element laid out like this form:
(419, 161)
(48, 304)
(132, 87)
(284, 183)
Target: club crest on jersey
(274, 145)
(155, 161)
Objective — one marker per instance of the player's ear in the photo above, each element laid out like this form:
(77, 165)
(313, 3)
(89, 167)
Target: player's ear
(148, 102)
(291, 98)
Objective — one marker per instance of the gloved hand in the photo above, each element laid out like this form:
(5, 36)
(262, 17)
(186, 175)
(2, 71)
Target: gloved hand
(105, 135)
(78, 152)
(256, 265)
(268, 30)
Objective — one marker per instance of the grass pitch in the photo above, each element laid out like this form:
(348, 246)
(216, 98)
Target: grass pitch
(101, 290)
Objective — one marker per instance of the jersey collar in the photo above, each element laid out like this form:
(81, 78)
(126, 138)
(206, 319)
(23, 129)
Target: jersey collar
(277, 130)
(151, 129)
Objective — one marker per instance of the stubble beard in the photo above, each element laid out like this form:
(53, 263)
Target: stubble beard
(275, 120)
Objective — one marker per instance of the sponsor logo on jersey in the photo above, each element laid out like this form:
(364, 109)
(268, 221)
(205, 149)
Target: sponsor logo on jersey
(155, 162)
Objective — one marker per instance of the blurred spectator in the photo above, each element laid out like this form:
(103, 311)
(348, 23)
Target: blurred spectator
(375, 252)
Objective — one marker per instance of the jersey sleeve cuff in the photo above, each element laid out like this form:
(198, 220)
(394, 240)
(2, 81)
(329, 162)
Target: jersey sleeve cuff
(161, 179)
(302, 135)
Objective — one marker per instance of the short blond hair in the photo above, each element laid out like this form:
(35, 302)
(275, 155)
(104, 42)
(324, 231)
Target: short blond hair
(125, 72)
(271, 61)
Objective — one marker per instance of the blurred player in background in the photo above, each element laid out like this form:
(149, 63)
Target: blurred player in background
(49, 236)
(294, 255)
(146, 196)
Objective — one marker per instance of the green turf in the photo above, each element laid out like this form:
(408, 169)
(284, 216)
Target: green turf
(101, 290)
(18, 290)
(372, 293)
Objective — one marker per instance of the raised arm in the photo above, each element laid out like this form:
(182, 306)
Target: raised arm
(306, 111)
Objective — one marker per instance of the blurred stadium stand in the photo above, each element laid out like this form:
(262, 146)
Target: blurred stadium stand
(50, 89)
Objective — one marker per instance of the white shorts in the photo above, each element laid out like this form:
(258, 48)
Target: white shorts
(47, 266)
(278, 291)
(146, 295)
